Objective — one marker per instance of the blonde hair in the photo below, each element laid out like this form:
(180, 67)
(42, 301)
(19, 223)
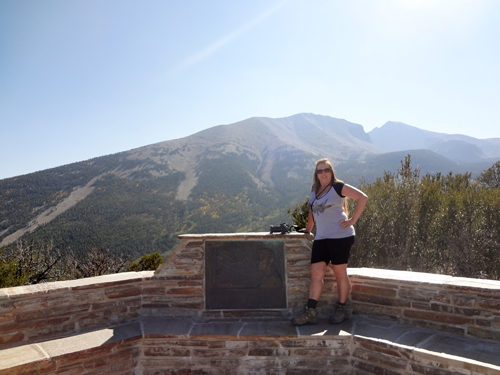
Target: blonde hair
(316, 184)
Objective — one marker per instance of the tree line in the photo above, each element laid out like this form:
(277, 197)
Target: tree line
(445, 224)
(36, 262)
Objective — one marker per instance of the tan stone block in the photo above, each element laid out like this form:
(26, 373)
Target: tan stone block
(441, 308)
(232, 344)
(269, 352)
(172, 298)
(154, 365)
(414, 294)
(21, 304)
(7, 318)
(315, 364)
(375, 345)
(59, 312)
(420, 306)
(438, 317)
(298, 273)
(434, 326)
(301, 289)
(189, 255)
(188, 305)
(28, 326)
(264, 344)
(174, 343)
(167, 351)
(190, 283)
(420, 369)
(185, 291)
(467, 312)
(379, 300)
(122, 355)
(463, 300)
(383, 292)
(8, 339)
(184, 270)
(484, 323)
(259, 363)
(122, 367)
(192, 244)
(193, 263)
(320, 352)
(154, 291)
(484, 333)
(297, 253)
(372, 369)
(179, 277)
(123, 292)
(51, 331)
(39, 367)
(116, 305)
(490, 304)
(299, 262)
(205, 353)
(391, 359)
(317, 343)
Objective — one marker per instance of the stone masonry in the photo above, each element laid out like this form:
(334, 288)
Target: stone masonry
(156, 323)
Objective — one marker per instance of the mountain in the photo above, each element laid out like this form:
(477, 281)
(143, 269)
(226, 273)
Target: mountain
(397, 136)
(230, 178)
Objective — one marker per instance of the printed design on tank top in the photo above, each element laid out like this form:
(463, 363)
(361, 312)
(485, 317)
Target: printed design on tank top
(319, 208)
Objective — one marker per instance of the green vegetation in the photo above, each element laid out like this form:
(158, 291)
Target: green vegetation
(148, 262)
(439, 224)
(33, 263)
(436, 223)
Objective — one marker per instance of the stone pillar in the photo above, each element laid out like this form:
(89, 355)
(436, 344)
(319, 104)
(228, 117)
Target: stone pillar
(247, 271)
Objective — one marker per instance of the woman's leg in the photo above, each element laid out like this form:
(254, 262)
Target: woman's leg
(318, 271)
(343, 282)
(308, 315)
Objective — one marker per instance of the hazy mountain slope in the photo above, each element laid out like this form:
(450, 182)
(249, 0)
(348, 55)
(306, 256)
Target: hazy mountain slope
(235, 177)
(428, 161)
(229, 178)
(397, 136)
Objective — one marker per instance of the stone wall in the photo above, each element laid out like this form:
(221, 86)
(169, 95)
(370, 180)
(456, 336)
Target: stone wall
(169, 355)
(36, 313)
(467, 307)
(179, 283)
(41, 313)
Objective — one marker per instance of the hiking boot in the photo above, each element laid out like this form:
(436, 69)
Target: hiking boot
(339, 314)
(308, 316)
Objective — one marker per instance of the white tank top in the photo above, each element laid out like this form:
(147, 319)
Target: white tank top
(328, 210)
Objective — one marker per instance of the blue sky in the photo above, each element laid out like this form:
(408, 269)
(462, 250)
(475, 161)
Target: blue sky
(86, 78)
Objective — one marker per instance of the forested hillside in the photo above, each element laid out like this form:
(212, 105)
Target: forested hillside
(231, 178)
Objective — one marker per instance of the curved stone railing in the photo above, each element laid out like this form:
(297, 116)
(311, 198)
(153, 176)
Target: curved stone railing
(31, 317)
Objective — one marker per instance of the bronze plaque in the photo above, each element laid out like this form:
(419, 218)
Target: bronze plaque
(245, 275)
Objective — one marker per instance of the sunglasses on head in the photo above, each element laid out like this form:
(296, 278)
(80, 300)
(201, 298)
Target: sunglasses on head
(326, 170)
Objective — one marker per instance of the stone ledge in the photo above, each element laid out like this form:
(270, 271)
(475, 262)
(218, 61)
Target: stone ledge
(366, 337)
(246, 236)
(424, 278)
(102, 281)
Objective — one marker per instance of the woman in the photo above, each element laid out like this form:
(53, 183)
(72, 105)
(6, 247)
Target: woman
(333, 241)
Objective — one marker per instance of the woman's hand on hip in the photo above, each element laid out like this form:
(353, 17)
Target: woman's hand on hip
(346, 223)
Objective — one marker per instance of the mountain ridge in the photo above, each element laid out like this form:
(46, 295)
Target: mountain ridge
(235, 177)
(398, 136)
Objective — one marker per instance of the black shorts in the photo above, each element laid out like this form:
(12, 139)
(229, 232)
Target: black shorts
(335, 250)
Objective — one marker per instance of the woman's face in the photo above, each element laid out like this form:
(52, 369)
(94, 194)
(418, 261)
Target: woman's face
(326, 176)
